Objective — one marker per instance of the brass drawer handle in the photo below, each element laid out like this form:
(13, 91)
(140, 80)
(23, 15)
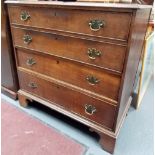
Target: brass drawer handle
(92, 80)
(30, 62)
(27, 39)
(89, 109)
(24, 16)
(32, 85)
(93, 53)
(96, 25)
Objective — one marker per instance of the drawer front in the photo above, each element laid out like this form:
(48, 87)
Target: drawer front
(91, 79)
(112, 25)
(91, 52)
(76, 102)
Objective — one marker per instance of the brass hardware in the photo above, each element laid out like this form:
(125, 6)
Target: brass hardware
(32, 85)
(92, 80)
(89, 109)
(24, 16)
(93, 53)
(27, 39)
(95, 25)
(30, 62)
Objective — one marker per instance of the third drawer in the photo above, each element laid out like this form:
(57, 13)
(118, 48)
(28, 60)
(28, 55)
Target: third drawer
(83, 76)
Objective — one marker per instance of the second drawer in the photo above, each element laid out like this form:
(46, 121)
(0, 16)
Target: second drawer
(95, 80)
(101, 54)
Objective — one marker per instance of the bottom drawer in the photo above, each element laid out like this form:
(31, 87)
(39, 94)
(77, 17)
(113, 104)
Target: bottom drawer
(88, 107)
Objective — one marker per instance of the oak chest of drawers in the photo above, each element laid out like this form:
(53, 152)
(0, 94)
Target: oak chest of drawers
(79, 59)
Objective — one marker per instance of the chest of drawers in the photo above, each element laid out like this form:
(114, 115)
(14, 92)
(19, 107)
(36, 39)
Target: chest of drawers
(79, 59)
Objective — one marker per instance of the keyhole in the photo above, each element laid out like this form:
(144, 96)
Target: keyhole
(58, 87)
(55, 14)
(57, 61)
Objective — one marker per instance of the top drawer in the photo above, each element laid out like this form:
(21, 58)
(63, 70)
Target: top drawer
(112, 25)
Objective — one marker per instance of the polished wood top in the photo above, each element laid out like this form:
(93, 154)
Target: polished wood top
(80, 4)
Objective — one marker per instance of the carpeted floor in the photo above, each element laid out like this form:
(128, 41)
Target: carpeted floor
(24, 135)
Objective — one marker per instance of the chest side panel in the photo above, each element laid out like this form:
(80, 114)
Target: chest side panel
(135, 46)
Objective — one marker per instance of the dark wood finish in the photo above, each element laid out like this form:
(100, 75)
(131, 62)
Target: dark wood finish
(57, 68)
(107, 142)
(23, 101)
(9, 93)
(68, 99)
(68, 20)
(8, 70)
(57, 79)
(66, 47)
